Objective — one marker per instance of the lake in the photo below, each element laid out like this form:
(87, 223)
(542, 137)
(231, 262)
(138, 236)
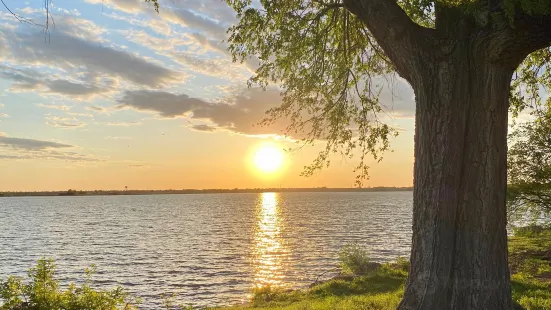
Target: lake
(208, 249)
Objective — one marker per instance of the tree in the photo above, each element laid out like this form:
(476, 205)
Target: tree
(529, 166)
(459, 56)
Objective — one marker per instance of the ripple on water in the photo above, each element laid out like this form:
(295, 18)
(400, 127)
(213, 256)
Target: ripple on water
(206, 249)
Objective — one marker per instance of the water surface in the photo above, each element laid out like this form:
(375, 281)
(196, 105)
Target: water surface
(208, 249)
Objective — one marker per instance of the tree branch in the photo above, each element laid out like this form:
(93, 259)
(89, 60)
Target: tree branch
(17, 16)
(538, 27)
(527, 34)
(326, 8)
(401, 39)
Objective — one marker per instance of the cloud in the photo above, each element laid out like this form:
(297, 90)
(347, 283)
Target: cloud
(246, 110)
(241, 113)
(24, 148)
(166, 104)
(210, 66)
(212, 8)
(223, 13)
(96, 109)
(80, 114)
(204, 127)
(51, 155)
(135, 163)
(4, 51)
(139, 166)
(156, 43)
(128, 6)
(64, 122)
(123, 124)
(1, 106)
(397, 97)
(157, 25)
(54, 106)
(70, 88)
(206, 21)
(72, 51)
(218, 46)
(198, 22)
(31, 80)
(4, 115)
(193, 53)
(20, 76)
(78, 45)
(15, 157)
(30, 144)
(68, 156)
(67, 51)
(241, 116)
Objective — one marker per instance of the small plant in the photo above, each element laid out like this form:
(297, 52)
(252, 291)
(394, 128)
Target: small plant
(355, 260)
(167, 301)
(264, 294)
(402, 263)
(42, 292)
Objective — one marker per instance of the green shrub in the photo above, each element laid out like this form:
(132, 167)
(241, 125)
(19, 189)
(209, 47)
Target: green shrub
(265, 294)
(42, 292)
(402, 263)
(355, 260)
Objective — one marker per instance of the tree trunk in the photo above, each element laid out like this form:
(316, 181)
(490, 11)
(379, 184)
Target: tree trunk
(459, 252)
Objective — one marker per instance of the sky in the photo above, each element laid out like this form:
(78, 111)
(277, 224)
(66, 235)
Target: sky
(117, 95)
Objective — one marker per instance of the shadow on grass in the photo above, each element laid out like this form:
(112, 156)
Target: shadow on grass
(362, 285)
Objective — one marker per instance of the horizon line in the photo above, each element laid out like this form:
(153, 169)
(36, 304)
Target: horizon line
(208, 190)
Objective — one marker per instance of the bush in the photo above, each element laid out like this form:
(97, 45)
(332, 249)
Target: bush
(355, 260)
(265, 294)
(42, 292)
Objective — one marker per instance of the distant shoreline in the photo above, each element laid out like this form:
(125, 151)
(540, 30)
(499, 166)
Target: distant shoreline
(201, 191)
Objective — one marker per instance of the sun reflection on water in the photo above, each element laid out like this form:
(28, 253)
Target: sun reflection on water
(269, 249)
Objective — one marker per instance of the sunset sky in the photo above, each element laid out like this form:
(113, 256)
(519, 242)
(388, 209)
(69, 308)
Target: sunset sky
(121, 96)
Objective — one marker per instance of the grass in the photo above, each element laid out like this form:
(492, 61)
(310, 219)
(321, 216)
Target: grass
(530, 262)
(382, 288)
(530, 252)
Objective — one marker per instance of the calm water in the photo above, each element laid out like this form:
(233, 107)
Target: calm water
(207, 249)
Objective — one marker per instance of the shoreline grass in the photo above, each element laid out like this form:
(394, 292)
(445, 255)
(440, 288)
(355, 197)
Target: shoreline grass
(382, 288)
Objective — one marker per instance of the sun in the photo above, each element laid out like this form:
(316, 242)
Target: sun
(268, 158)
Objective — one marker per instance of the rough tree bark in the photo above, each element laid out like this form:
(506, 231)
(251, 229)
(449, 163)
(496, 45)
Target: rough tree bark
(459, 255)
(461, 73)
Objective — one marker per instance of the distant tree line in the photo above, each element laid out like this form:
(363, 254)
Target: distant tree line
(72, 192)
(529, 168)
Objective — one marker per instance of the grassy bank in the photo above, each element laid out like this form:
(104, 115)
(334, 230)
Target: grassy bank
(382, 288)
